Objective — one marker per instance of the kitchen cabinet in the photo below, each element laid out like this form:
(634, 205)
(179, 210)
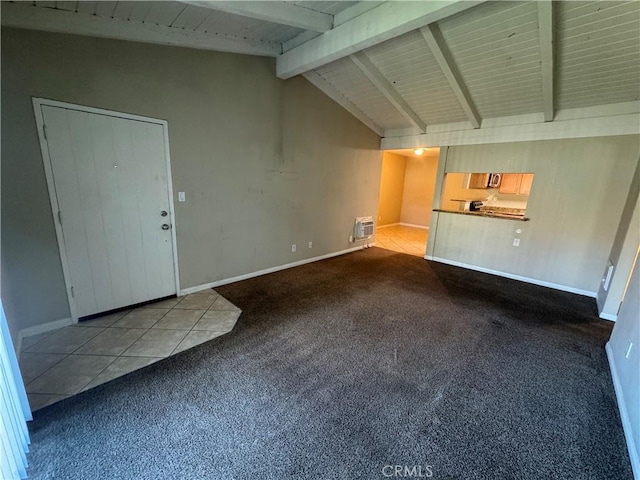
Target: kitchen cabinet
(525, 184)
(510, 183)
(516, 183)
(477, 180)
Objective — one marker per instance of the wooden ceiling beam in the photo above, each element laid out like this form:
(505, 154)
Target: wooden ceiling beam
(338, 19)
(279, 12)
(365, 64)
(337, 97)
(384, 22)
(547, 43)
(599, 121)
(25, 15)
(442, 54)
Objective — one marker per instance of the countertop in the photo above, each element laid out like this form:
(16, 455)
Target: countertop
(504, 216)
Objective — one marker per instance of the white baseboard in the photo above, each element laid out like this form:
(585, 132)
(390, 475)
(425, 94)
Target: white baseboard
(42, 328)
(624, 415)
(608, 316)
(413, 225)
(388, 225)
(225, 281)
(534, 281)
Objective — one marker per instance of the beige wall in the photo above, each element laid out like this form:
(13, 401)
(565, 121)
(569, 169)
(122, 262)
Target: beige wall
(624, 364)
(391, 188)
(623, 252)
(417, 197)
(575, 206)
(264, 163)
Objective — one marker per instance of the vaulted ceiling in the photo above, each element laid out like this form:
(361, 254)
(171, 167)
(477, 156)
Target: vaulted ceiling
(402, 68)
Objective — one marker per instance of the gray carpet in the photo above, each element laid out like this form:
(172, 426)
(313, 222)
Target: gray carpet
(342, 368)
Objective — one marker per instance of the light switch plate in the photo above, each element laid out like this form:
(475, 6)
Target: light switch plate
(181, 197)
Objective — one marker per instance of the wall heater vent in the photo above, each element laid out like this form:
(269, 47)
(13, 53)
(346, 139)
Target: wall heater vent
(364, 227)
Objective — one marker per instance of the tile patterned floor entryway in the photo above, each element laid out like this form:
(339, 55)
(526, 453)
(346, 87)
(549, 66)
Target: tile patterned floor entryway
(64, 362)
(403, 239)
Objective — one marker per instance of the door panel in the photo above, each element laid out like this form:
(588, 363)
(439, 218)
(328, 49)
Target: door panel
(111, 184)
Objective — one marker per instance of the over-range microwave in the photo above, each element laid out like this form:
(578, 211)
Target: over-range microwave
(494, 180)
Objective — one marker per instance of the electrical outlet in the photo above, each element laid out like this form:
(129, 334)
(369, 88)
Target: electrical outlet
(516, 242)
(181, 197)
(293, 248)
(310, 244)
(350, 238)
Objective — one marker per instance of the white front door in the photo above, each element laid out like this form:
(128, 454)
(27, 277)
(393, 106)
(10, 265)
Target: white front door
(111, 184)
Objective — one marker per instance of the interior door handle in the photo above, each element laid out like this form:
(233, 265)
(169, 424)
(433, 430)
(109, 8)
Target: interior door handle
(163, 213)
(166, 226)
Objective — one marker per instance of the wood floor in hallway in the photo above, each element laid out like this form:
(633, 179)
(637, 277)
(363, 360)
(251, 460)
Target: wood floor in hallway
(403, 239)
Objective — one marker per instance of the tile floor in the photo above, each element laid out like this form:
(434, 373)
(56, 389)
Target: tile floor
(400, 238)
(64, 362)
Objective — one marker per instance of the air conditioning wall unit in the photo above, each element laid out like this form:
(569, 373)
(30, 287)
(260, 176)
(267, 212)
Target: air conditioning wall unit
(363, 227)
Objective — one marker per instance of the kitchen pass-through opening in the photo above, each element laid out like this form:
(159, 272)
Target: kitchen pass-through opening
(500, 195)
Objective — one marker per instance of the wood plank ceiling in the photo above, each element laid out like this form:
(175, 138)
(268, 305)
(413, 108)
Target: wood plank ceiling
(400, 67)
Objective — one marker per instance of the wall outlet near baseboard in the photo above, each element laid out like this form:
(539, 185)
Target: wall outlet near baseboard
(293, 248)
(310, 244)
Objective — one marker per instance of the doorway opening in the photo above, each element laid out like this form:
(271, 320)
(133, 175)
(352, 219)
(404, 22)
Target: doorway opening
(407, 184)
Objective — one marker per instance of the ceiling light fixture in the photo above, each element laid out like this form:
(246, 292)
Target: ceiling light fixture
(419, 151)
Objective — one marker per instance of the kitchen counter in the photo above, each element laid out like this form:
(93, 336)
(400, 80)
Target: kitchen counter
(518, 212)
(489, 213)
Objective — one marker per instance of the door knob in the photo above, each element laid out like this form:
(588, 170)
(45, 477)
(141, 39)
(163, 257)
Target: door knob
(163, 213)
(166, 226)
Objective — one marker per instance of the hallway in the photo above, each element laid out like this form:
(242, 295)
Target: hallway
(403, 239)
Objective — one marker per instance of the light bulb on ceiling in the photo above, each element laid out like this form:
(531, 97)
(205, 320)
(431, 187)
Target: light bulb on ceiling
(419, 151)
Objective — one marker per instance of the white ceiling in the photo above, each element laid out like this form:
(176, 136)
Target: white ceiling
(400, 67)
(410, 153)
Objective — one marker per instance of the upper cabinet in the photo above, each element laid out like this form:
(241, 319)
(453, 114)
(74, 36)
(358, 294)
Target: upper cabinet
(510, 182)
(477, 180)
(525, 184)
(516, 183)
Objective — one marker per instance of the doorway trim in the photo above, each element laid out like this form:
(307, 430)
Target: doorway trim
(38, 103)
